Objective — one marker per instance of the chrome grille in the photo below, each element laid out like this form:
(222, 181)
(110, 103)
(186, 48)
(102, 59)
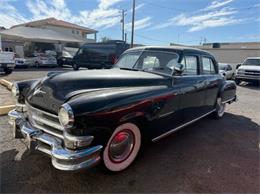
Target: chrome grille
(45, 121)
(252, 73)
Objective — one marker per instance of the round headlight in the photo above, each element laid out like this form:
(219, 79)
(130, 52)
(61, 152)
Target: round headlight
(15, 90)
(66, 116)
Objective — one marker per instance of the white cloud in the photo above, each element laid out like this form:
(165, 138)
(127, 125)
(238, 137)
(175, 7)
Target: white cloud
(103, 16)
(217, 4)
(140, 24)
(214, 15)
(9, 15)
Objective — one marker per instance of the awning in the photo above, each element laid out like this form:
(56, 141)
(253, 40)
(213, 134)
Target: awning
(38, 35)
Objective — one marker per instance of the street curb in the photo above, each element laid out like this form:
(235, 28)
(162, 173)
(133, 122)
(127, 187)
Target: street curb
(6, 83)
(5, 109)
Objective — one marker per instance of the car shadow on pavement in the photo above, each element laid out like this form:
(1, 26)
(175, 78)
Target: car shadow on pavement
(207, 157)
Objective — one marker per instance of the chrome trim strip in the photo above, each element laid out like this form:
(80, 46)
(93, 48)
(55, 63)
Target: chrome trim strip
(48, 131)
(182, 126)
(166, 114)
(230, 100)
(48, 122)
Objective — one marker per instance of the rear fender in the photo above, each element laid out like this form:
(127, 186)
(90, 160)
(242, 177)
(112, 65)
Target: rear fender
(227, 91)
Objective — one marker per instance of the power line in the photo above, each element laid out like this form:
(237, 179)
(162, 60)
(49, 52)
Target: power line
(164, 7)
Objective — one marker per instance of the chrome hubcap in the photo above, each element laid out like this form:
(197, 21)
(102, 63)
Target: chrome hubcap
(121, 146)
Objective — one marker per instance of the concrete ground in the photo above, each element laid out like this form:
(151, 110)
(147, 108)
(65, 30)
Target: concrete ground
(210, 156)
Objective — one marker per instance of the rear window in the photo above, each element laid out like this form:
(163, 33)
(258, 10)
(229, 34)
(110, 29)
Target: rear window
(208, 66)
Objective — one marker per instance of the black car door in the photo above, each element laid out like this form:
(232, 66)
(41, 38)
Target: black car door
(192, 88)
(209, 72)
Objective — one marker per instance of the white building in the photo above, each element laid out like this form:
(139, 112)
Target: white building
(47, 34)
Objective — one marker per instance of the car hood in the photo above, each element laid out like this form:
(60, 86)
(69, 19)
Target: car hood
(57, 88)
(249, 67)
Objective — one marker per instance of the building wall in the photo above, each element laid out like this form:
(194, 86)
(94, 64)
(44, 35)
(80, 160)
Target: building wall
(67, 31)
(233, 53)
(233, 56)
(71, 32)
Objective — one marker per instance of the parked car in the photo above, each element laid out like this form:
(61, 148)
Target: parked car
(84, 117)
(228, 71)
(41, 59)
(20, 62)
(66, 57)
(7, 63)
(99, 55)
(249, 71)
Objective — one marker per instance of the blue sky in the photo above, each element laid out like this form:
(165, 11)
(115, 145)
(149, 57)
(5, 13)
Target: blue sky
(157, 22)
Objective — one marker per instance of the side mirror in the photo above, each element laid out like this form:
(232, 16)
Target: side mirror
(178, 69)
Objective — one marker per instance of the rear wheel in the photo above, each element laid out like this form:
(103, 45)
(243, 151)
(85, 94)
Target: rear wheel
(237, 81)
(122, 147)
(220, 109)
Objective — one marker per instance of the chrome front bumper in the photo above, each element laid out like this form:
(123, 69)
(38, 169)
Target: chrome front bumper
(247, 77)
(62, 158)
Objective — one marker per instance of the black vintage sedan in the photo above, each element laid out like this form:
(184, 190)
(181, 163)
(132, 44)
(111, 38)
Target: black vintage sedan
(83, 117)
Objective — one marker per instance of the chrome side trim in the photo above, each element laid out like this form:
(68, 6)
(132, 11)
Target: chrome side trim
(230, 100)
(166, 114)
(182, 126)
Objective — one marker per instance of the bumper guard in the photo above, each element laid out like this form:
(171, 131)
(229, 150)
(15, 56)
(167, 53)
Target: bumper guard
(62, 158)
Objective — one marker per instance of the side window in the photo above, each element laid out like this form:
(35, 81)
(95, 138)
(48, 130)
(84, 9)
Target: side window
(208, 66)
(151, 62)
(229, 68)
(190, 65)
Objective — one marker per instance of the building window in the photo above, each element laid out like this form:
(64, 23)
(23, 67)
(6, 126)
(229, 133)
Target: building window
(73, 31)
(77, 32)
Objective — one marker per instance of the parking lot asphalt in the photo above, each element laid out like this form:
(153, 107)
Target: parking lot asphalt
(210, 156)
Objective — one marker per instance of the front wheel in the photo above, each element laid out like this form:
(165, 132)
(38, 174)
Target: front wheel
(220, 109)
(122, 147)
(8, 71)
(75, 66)
(37, 64)
(237, 81)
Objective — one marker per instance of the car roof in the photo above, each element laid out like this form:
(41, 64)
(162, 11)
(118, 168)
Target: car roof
(173, 48)
(249, 58)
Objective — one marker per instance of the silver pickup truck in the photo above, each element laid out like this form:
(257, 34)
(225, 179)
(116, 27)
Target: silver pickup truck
(249, 71)
(7, 62)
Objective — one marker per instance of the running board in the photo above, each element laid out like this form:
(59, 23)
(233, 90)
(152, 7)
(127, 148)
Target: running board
(182, 126)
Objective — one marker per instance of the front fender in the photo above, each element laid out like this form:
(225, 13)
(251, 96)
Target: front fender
(24, 88)
(108, 108)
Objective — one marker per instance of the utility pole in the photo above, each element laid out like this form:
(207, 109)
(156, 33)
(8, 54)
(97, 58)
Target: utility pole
(125, 37)
(133, 25)
(123, 24)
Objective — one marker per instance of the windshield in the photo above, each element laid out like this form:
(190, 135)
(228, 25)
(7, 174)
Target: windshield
(254, 62)
(150, 61)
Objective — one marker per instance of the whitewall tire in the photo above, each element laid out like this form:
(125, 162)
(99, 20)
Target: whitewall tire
(220, 108)
(122, 147)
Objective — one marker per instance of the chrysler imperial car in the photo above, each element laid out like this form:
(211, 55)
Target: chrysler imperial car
(81, 118)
